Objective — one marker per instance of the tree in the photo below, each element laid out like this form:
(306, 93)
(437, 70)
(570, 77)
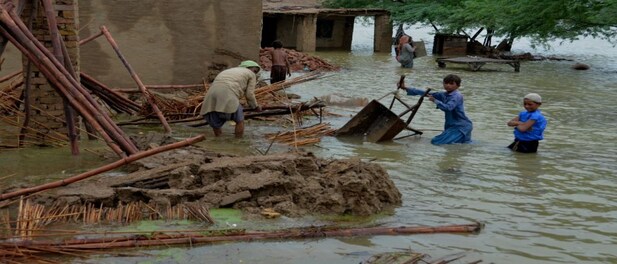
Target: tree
(539, 20)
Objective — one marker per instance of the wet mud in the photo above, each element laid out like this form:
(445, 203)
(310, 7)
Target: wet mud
(292, 184)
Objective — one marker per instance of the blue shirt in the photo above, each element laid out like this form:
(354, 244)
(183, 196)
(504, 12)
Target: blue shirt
(537, 130)
(452, 105)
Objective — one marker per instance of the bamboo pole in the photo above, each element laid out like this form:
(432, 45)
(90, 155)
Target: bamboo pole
(88, 39)
(57, 79)
(34, 50)
(27, 81)
(141, 86)
(57, 44)
(102, 169)
(75, 89)
(226, 236)
(160, 86)
(9, 76)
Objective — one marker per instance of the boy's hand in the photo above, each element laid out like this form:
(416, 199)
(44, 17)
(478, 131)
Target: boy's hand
(431, 98)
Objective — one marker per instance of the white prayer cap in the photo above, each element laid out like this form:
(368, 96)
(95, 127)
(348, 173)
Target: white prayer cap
(534, 97)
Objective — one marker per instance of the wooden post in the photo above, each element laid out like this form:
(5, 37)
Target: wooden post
(140, 84)
(57, 44)
(27, 86)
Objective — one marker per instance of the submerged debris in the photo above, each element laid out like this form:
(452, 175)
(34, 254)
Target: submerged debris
(298, 61)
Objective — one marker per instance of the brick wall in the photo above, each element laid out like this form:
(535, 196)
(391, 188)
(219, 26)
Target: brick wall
(47, 111)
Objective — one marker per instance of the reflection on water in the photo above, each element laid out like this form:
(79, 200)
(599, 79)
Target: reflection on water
(558, 205)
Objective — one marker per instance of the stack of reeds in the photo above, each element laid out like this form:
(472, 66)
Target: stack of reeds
(112, 98)
(32, 218)
(63, 80)
(175, 106)
(11, 115)
(303, 136)
(267, 94)
(9, 90)
(88, 242)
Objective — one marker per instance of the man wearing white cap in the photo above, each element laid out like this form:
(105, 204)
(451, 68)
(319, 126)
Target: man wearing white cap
(528, 126)
(222, 101)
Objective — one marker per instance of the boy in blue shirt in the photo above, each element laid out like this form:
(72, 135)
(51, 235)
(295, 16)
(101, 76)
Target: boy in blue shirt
(457, 128)
(528, 126)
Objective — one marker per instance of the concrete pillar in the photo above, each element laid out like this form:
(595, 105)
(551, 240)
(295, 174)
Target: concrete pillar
(306, 40)
(47, 112)
(348, 33)
(382, 41)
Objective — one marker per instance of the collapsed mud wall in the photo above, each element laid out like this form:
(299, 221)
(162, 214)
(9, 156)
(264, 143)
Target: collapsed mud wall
(291, 184)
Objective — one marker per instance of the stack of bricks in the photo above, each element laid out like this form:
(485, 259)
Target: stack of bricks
(47, 112)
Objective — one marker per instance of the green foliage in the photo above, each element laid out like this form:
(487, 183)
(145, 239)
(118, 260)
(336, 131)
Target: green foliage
(541, 20)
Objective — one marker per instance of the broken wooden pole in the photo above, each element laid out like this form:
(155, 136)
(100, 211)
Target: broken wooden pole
(140, 84)
(88, 39)
(102, 169)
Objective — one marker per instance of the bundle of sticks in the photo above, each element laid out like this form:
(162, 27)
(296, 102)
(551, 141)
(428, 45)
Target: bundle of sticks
(112, 98)
(268, 93)
(302, 136)
(33, 218)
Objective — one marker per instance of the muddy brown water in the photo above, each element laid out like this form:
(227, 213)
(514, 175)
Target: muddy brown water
(556, 206)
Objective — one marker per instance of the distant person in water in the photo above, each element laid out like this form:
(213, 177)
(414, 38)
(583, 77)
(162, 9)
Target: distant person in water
(405, 52)
(280, 64)
(528, 125)
(222, 100)
(457, 128)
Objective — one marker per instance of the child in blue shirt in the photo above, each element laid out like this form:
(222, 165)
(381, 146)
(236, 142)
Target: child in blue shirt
(457, 128)
(528, 126)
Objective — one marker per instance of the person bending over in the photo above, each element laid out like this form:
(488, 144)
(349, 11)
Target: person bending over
(222, 101)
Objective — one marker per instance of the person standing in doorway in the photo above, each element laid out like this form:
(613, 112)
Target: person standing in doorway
(280, 64)
(222, 101)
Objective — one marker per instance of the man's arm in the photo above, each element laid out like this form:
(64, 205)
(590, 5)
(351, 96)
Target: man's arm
(250, 91)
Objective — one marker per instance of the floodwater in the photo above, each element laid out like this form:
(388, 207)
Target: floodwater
(556, 206)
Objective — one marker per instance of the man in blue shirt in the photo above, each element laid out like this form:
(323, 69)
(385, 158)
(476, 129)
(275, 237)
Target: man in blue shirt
(457, 128)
